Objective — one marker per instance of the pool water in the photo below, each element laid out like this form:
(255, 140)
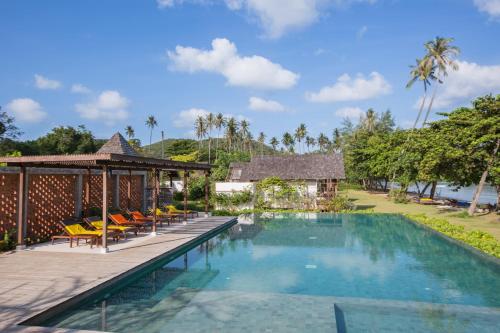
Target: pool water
(305, 273)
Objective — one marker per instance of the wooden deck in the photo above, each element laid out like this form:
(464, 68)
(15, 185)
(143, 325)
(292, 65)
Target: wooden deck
(33, 281)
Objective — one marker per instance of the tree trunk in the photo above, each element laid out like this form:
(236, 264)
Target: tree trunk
(418, 189)
(498, 198)
(479, 188)
(433, 190)
(209, 148)
(430, 106)
(420, 111)
(424, 189)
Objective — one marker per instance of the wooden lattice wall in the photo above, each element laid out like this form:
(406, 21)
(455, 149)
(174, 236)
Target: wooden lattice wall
(96, 191)
(51, 198)
(136, 192)
(8, 202)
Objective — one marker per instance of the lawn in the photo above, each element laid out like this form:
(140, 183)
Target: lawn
(379, 203)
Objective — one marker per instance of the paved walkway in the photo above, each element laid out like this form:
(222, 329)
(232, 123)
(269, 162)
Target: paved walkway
(32, 281)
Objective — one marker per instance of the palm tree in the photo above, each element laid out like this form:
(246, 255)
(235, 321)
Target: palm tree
(261, 139)
(323, 142)
(370, 120)
(337, 139)
(274, 143)
(310, 142)
(219, 122)
(441, 54)
(423, 70)
(151, 123)
(209, 122)
(244, 126)
(288, 142)
(130, 132)
(300, 133)
(200, 128)
(231, 132)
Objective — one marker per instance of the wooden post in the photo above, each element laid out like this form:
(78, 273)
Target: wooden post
(186, 175)
(155, 197)
(207, 188)
(171, 181)
(104, 209)
(129, 189)
(78, 195)
(21, 207)
(87, 192)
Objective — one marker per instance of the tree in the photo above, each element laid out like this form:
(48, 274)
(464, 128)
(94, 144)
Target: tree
(151, 123)
(244, 132)
(323, 142)
(129, 131)
(219, 122)
(66, 140)
(262, 140)
(288, 142)
(310, 142)
(200, 129)
(209, 121)
(422, 71)
(441, 55)
(369, 121)
(8, 130)
(274, 143)
(300, 133)
(231, 131)
(337, 140)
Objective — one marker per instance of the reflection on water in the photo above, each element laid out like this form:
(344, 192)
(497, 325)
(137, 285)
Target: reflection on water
(488, 194)
(294, 268)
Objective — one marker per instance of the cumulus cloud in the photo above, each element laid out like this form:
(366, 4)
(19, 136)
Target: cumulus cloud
(491, 7)
(349, 112)
(26, 109)
(253, 72)
(186, 118)
(46, 84)
(165, 3)
(352, 89)
(79, 88)
(260, 104)
(468, 82)
(109, 107)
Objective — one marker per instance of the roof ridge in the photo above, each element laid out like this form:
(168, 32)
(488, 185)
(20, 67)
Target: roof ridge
(117, 144)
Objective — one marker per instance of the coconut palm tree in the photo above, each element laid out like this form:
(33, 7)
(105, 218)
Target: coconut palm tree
(310, 142)
(300, 133)
(200, 129)
(130, 132)
(261, 139)
(219, 122)
(231, 132)
(423, 71)
(337, 139)
(244, 131)
(209, 122)
(323, 142)
(151, 123)
(370, 120)
(274, 143)
(442, 55)
(288, 142)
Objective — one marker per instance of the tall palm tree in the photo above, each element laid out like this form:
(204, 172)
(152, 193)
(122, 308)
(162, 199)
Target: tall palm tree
(219, 122)
(261, 139)
(231, 132)
(370, 120)
(209, 122)
(310, 142)
(130, 132)
(323, 142)
(300, 133)
(442, 55)
(288, 142)
(200, 128)
(151, 123)
(274, 143)
(337, 139)
(244, 131)
(423, 71)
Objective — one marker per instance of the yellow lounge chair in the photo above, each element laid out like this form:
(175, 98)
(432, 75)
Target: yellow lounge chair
(172, 210)
(96, 222)
(74, 230)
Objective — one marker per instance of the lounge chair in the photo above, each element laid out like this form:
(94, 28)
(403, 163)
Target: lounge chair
(172, 210)
(139, 217)
(74, 230)
(96, 223)
(170, 216)
(119, 219)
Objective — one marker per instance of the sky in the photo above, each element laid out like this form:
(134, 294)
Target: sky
(276, 63)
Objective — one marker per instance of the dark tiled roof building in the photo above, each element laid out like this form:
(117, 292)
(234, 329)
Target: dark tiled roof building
(117, 145)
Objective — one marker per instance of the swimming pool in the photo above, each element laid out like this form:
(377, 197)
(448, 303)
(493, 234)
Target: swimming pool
(305, 272)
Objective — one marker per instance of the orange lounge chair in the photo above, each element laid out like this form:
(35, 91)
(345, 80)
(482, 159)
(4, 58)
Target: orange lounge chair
(96, 223)
(119, 219)
(139, 217)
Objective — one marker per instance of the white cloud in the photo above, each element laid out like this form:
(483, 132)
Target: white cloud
(45, 83)
(254, 71)
(79, 88)
(362, 31)
(349, 112)
(26, 109)
(276, 21)
(319, 51)
(352, 89)
(109, 107)
(471, 80)
(186, 118)
(491, 7)
(165, 3)
(260, 104)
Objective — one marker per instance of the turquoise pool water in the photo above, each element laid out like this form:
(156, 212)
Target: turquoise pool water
(305, 272)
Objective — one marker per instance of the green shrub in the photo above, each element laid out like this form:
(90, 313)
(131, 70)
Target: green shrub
(178, 196)
(339, 204)
(196, 188)
(479, 239)
(399, 196)
(233, 200)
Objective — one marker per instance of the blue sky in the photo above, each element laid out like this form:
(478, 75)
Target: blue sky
(277, 63)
